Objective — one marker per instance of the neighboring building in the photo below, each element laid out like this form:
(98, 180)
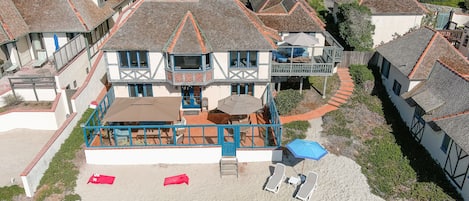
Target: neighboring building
(390, 18)
(426, 80)
(29, 27)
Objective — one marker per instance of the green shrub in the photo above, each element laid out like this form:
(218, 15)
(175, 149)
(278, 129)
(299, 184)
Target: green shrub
(427, 191)
(371, 102)
(62, 173)
(294, 130)
(9, 192)
(287, 100)
(11, 100)
(361, 74)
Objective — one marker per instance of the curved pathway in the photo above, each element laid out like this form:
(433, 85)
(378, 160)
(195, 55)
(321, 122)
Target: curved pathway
(340, 97)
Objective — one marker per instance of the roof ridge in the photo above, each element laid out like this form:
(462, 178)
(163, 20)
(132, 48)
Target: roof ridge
(311, 11)
(259, 27)
(419, 61)
(175, 36)
(422, 7)
(263, 6)
(451, 115)
(6, 28)
(80, 18)
(198, 32)
(452, 70)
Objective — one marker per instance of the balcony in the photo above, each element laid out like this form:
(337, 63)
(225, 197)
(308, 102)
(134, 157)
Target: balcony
(189, 77)
(307, 61)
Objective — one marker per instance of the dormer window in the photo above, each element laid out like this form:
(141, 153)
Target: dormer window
(133, 59)
(190, 62)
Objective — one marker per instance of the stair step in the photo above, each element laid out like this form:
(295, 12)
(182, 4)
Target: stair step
(341, 96)
(339, 100)
(333, 103)
(228, 166)
(344, 93)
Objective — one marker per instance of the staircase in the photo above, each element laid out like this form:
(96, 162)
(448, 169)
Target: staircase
(345, 89)
(228, 166)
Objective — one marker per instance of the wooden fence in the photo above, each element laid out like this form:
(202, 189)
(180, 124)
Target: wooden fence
(355, 57)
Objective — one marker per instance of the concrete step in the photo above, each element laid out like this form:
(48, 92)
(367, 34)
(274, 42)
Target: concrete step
(228, 166)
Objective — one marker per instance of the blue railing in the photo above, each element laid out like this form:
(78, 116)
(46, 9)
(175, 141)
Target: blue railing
(98, 135)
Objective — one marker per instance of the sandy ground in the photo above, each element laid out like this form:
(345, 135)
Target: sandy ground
(340, 178)
(18, 147)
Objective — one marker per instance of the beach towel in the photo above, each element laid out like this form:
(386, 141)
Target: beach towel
(101, 179)
(178, 179)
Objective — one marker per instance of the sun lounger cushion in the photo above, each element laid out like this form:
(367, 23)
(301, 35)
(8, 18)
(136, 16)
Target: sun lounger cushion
(276, 179)
(178, 179)
(101, 179)
(307, 188)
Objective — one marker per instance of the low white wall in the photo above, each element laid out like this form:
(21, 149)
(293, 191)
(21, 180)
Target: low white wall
(179, 155)
(28, 119)
(42, 94)
(74, 71)
(138, 156)
(259, 155)
(32, 175)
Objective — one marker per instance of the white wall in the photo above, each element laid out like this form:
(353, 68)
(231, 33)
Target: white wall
(220, 65)
(42, 94)
(140, 156)
(23, 48)
(157, 65)
(388, 25)
(460, 19)
(215, 93)
(49, 41)
(74, 71)
(190, 155)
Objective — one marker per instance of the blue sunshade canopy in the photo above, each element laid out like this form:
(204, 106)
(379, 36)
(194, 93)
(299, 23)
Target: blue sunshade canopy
(306, 149)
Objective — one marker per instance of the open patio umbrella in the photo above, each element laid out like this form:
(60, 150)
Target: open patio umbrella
(301, 39)
(306, 149)
(239, 104)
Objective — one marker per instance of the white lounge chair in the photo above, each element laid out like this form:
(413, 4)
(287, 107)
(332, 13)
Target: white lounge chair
(276, 179)
(307, 188)
(41, 59)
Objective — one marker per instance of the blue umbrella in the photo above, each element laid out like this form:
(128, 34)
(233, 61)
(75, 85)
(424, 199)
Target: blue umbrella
(56, 42)
(306, 149)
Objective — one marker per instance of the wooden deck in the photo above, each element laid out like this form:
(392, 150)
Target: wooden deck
(194, 134)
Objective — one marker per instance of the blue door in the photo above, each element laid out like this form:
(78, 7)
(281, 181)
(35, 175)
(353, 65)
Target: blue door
(191, 96)
(228, 140)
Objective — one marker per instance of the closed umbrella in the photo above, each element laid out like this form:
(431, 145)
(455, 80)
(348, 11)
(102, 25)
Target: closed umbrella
(306, 149)
(239, 104)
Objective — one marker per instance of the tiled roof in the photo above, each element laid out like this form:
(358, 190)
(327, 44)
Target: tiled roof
(418, 52)
(405, 7)
(295, 17)
(64, 15)
(450, 111)
(12, 24)
(221, 26)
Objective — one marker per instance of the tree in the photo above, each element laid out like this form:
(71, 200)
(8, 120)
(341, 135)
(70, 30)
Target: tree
(355, 26)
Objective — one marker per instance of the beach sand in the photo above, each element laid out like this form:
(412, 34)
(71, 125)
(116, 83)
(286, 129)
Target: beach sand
(340, 178)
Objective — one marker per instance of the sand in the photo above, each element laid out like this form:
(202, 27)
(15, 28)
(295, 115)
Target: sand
(340, 178)
(19, 147)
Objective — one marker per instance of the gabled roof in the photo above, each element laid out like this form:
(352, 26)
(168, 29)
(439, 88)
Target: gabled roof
(451, 108)
(64, 15)
(187, 38)
(418, 51)
(12, 24)
(217, 25)
(394, 7)
(456, 127)
(290, 16)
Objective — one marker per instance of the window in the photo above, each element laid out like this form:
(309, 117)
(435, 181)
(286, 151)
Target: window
(243, 88)
(140, 90)
(466, 39)
(385, 68)
(189, 62)
(445, 143)
(133, 59)
(396, 88)
(241, 59)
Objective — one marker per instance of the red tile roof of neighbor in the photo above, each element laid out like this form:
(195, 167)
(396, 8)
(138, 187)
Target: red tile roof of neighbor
(394, 6)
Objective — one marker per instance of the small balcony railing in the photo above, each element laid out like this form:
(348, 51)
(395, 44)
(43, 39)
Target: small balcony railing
(302, 69)
(189, 77)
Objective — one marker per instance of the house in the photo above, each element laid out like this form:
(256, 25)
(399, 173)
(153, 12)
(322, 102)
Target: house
(391, 18)
(415, 78)
(205, 52)
(35, 26)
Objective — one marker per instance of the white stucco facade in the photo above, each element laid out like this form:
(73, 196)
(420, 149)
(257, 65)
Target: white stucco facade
(388, 25)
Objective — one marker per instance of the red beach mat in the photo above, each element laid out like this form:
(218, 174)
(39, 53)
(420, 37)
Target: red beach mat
(178, 179)
(101, 179)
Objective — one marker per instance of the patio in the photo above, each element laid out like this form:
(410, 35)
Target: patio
(201, 129)
(27, 70)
